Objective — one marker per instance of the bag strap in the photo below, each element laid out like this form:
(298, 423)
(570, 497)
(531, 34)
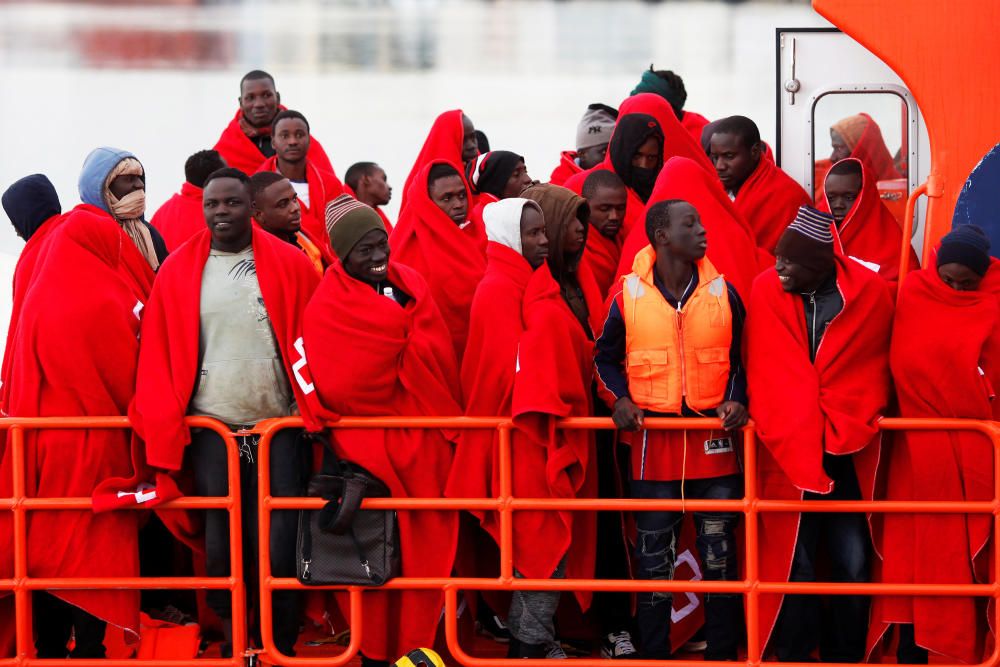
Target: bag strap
(338, 514)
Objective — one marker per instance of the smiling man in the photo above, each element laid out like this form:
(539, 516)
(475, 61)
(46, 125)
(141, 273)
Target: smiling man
(818, 372)
(218, 340)
(246, 141)
(655, 363)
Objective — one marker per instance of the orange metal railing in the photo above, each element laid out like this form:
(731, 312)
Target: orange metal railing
(505, 505)
(751, 506)
(23, 584)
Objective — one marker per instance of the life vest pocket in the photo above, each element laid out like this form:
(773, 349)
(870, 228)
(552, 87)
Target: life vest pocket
(648, 376)
(712, 373)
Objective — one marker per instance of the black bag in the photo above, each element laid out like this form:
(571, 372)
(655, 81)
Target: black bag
(341, 544)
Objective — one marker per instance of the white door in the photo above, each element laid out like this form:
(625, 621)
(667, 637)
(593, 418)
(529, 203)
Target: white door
(826, 81)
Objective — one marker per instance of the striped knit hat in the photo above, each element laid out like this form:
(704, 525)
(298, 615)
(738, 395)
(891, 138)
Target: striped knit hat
(347, 220)
(808, 240)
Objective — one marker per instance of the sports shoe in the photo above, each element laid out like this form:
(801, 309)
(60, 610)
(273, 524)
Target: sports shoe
(618, 646)
(492, 626)
(554, 651)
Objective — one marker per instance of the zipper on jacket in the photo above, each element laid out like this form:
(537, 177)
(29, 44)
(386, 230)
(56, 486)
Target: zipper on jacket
(680, 344)
(812, 341)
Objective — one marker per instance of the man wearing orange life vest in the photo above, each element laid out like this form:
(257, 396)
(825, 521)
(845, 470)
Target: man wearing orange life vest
(671, 347)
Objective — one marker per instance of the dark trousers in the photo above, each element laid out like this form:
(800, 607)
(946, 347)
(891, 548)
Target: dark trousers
(840, 629)
(656, 554)
(56, 620)
(288, 472)
(613, 609)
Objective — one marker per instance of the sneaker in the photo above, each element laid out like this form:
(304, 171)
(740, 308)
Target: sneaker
(492, 626)
(172, 614)
(695, 646)
(618, 646)
(554, 651)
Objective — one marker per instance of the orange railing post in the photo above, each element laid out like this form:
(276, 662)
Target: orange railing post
(23, 584)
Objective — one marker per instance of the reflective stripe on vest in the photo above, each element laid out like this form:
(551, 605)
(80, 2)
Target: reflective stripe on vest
(677, 356)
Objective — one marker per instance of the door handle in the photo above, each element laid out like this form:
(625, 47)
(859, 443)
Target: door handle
(791, 85)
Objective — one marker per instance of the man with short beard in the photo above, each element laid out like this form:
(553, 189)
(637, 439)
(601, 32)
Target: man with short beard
(246, 141)
(218, 340)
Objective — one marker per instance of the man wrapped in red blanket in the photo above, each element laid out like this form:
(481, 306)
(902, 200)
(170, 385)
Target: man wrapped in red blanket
(945, 360)
(435, 237)
(246, 141)
(376, 344)
(218, 341)
(529, 358)
(818, 372)
(763, 194)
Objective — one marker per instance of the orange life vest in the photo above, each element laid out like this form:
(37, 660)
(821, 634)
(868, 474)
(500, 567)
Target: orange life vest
(676, 356)
(312, 251)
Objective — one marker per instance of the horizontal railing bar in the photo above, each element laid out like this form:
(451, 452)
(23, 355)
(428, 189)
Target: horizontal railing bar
(678, 586)
(187, 503)
(122, 583)
(642, 505)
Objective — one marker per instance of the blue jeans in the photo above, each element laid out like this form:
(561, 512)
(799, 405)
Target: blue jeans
(656, 553)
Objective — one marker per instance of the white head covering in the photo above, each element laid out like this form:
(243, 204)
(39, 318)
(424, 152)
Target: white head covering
(503, 221)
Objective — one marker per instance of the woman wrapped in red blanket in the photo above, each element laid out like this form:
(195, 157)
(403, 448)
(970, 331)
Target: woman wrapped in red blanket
(947, 369)
(76, 347)
(376, 344)
(818, 371)
(530, 358)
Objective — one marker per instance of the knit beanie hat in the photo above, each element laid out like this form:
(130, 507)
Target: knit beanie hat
(967, 245)
(490, 172)
(808, 240)
(347, 220)
(596, 126)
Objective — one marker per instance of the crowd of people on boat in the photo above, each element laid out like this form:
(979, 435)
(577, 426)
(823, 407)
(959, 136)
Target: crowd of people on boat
(668, 268)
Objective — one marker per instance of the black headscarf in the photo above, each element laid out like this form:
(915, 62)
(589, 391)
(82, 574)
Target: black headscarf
(490, 172)
(29, 202)
(630, 134)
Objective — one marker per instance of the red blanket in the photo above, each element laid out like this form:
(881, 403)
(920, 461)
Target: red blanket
(23, 273)
(694, 123)
(368, 356)
(514, 366)
(730, 241)
(239, 152)
(566, 168)
(601, 257)
(870, 232)
(180, 217)
(168, 358)
(803, 409)
(324, 187)
(443, 143)
(768, 201)
(937, 377)
(75, 355)
(451, 259)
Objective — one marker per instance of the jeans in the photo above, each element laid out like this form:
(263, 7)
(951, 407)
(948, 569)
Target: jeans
(656, 553)
(288, 473)
(840, 629)
(532, 613)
